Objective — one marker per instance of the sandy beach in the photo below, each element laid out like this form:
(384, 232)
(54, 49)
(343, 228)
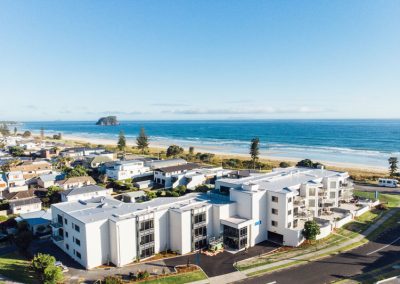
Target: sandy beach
(224, 152)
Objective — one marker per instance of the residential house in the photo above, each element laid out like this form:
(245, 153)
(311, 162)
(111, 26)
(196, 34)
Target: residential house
(165, 176)
(74, 182)
(31, 169)
(23, 202)
(16, 181)
(134, 196)
(50, 179)
(84, 193)
(38, 222)
(122, 170)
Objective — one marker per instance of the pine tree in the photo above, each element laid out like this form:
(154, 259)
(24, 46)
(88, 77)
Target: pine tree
(15, 131)
(254, 150)
(142, 141)
(121, 141)
(393, 161)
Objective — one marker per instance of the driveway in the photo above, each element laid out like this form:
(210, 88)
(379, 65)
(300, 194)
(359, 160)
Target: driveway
(221, 263)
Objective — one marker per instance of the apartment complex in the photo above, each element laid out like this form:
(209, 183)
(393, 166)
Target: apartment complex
(241, 211)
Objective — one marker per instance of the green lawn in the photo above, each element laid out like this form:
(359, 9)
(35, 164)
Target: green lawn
(393, 200)
(179, 278)
(16, 268)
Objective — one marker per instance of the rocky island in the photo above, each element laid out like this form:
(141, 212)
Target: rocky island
(107, 121)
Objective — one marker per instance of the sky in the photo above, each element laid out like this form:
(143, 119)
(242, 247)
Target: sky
(183, 59)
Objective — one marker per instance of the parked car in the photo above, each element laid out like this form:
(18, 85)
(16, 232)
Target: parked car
(62, 266)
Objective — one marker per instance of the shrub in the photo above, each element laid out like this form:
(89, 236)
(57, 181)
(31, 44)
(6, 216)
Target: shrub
(112, 280)
(284, 165)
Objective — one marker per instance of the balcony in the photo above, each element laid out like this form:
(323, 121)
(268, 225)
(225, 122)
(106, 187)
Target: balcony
(57, 238)
(299, 202)
(56, 224)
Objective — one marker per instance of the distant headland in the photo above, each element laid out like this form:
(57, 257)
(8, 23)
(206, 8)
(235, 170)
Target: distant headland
(108, 121)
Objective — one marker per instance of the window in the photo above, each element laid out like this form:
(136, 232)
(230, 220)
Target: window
(146, 239)
(201, 231)
(200, 244)
(311, 191)
(274, 211)
(289, 225)
(78, 254)
(65, 221)
(146, 252)
(243, 232)
(59, 219)
(199, 218)
(146, 225)
(295, 223)
(274, 199)
(333, 184)
(66, 234)
(311, 202)
(289, 212)
(67, 246)
(77, 228)
(274, 223)
(289, 200)
(78, 242)
(332, 194)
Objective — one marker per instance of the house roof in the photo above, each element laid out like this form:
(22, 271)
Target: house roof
(32, 166)
(20, 195)
(72, 180)
(36, 218)
(51, 177)
(135, 194)
(101, 159)
(186, 167)
(82, 190)
(28, 201)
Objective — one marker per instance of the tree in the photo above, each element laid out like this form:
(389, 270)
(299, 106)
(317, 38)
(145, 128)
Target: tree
(42, 133)
(307, 163)
(311, 230)
(121, 141)
(26, 134)
(78, 171)
(191, 150)
(4, 130)
(16, 151)
(44, 267)
(53, 194)
(254, 150)
(174, 151)
(15, 131)
(142, 141)
(284, 165)
(23, 237)
(393, 166)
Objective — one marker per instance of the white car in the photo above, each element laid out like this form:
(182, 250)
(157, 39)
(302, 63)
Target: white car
(62, 266)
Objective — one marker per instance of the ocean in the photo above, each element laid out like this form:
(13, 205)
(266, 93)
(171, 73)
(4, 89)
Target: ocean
(364, 142)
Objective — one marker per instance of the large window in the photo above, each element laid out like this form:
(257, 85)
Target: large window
(274, 198)
(199, 218)
(235, 238)
(274, 211)
(201, 231)
(146, 225)
(146, 252)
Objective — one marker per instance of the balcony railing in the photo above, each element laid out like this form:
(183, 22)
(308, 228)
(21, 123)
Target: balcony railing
(56, 224)
(57, 238)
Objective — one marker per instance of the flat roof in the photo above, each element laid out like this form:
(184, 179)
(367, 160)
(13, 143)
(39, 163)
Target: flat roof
(283, 179)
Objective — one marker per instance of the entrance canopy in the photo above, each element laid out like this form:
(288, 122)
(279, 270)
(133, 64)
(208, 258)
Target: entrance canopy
(236, 222)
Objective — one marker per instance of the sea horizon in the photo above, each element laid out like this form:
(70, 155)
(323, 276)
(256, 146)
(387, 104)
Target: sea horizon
(335, 140)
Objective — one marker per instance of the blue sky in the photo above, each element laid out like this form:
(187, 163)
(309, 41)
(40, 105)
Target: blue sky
(78, 60)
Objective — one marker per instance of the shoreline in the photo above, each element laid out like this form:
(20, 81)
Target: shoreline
(224, 154)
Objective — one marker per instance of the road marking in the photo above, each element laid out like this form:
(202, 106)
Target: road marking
(383, 247)
(273, 282)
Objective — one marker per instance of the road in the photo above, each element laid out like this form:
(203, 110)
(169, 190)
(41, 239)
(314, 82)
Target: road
(373, 188)
(385, 250)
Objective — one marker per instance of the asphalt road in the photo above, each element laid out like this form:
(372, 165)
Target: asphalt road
(373, 188)
(385, 250)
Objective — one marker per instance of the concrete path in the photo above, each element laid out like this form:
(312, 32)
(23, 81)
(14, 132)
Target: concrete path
(326, 250)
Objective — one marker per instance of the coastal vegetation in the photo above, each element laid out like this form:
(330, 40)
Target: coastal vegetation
(255, 150)
(142, 141)
(121, 144)
(174, 151)
(393, 166)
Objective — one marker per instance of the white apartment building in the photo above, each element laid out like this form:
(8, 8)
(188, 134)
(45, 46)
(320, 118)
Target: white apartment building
(242, 212)
(127, 169)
